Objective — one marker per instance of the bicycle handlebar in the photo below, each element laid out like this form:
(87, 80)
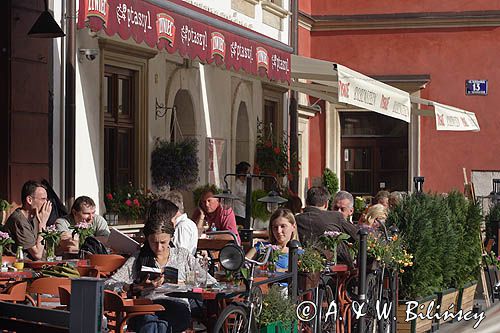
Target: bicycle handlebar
(264, 261)
(223, 232)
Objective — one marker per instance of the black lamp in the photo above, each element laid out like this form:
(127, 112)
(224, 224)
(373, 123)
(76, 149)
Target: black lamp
(273, 200)
(226, 198)
(419, 184)
(45, 26)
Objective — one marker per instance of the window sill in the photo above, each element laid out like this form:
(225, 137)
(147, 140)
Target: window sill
(274, 9)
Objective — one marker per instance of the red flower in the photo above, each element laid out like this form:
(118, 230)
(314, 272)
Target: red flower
(109, 196)
(268, 144)
(277, 150)
(128, 202)
(137, 203)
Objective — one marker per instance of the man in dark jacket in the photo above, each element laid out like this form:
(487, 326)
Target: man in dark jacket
(316, 219)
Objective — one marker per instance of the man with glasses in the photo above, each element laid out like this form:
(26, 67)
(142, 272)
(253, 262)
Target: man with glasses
(343, 202)
(25, 223)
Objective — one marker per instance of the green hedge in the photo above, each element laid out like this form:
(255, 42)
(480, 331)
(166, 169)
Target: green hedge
(442, 233)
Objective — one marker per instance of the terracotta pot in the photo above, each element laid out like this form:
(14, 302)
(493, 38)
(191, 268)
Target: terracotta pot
(308, 281)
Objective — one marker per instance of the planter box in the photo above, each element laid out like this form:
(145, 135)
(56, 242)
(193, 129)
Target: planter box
(466, 296)
(307, 281)
(278, 327)
(417, 325)
(446, 298)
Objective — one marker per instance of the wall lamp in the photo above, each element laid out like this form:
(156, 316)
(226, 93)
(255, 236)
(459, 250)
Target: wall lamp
(45, 26)
(419, 184)
(161, 109)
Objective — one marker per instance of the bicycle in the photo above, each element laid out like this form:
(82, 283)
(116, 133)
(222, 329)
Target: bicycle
(239, 316)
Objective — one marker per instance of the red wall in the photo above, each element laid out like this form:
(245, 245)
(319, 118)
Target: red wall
(450, 56)
(317, 157)
(349, 7)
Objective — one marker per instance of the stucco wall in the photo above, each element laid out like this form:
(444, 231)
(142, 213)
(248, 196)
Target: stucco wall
(215, 94)
(347, 7)
(450, 56)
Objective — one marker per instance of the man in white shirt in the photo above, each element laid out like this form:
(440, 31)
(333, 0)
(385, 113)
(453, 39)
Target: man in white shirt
(186, 232)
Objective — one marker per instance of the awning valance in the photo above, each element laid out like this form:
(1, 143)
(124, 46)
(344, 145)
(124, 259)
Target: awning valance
(165, 29)
(339, 84)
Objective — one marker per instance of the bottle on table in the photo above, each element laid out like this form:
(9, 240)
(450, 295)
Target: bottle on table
(19, 263)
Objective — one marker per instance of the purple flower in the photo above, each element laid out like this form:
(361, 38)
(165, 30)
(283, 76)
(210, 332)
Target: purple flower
(4, 235)
(52, 229)
(332, 233)
(83, 225)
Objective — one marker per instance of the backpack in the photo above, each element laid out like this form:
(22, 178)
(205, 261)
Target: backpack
(154, 325)
(92, 246)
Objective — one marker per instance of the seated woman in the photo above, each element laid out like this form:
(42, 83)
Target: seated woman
(210, 210)
(373, 215)
(282, 229)
(156, 253)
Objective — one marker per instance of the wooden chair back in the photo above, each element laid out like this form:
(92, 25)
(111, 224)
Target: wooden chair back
(119, 310)
(107, 264)
(47, 286)
(15, 293)
(90, 271)
(65, 296)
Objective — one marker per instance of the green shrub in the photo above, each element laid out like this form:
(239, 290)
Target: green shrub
(491, 221)
(259, 209)
(443, 235)
(276, 307)
(331, 182)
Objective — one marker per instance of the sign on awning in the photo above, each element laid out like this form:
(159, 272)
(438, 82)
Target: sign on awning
(449, 118)
(360, 90)
(163, 29)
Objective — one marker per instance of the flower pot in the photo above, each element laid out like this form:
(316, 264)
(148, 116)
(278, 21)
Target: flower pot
(416, 325)
(447, 301)
(308, 281)
(466, 296)
(111, 218)
(279, 327)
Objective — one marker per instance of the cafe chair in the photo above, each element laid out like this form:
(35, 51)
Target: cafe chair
(89, 271)
(107, 264)
(46, 286)
(119, 310)
(15, 293)
(65, 296)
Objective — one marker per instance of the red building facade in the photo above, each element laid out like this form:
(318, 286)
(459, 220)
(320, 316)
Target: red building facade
(433, 48)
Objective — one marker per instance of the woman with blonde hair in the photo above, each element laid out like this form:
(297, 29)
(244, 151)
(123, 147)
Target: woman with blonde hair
(282, 229)
(374, 214)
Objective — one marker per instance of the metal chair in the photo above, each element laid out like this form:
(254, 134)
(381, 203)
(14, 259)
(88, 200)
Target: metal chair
(15, 293)
(107, 264)
(47, 286)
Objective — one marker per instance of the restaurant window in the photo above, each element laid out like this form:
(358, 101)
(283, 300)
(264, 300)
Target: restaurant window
(374, 153)
(120, 110)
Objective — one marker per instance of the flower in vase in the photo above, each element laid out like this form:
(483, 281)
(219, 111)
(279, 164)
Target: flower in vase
(50, 238)
(83, 230)
(5, 239)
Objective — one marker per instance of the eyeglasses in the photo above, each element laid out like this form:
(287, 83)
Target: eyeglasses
(342, 209)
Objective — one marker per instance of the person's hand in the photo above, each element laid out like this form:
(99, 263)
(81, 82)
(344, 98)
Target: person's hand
(43, 214)
(147, 285)
(156, 282)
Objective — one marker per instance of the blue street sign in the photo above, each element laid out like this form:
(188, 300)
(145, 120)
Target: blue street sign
(476, 87)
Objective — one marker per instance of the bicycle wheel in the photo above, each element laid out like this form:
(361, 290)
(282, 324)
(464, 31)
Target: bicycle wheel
(326, 297)
(234, 319)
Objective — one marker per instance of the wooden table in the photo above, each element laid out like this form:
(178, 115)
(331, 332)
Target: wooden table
(11, 275)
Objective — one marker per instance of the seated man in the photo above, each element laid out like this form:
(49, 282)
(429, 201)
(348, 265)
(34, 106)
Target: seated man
(83, 210)
(25, 223)
(186, 232)
(343, 202)
(316, 219)
(210, 210)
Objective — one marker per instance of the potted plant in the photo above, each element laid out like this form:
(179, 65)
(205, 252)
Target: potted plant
(83, 230)
(129, 203)
(4, 241)
(330, 241)
(174, 164)
(271, 155)
(278, 312)
(310, 265)
(4, 208)
(51, 238)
